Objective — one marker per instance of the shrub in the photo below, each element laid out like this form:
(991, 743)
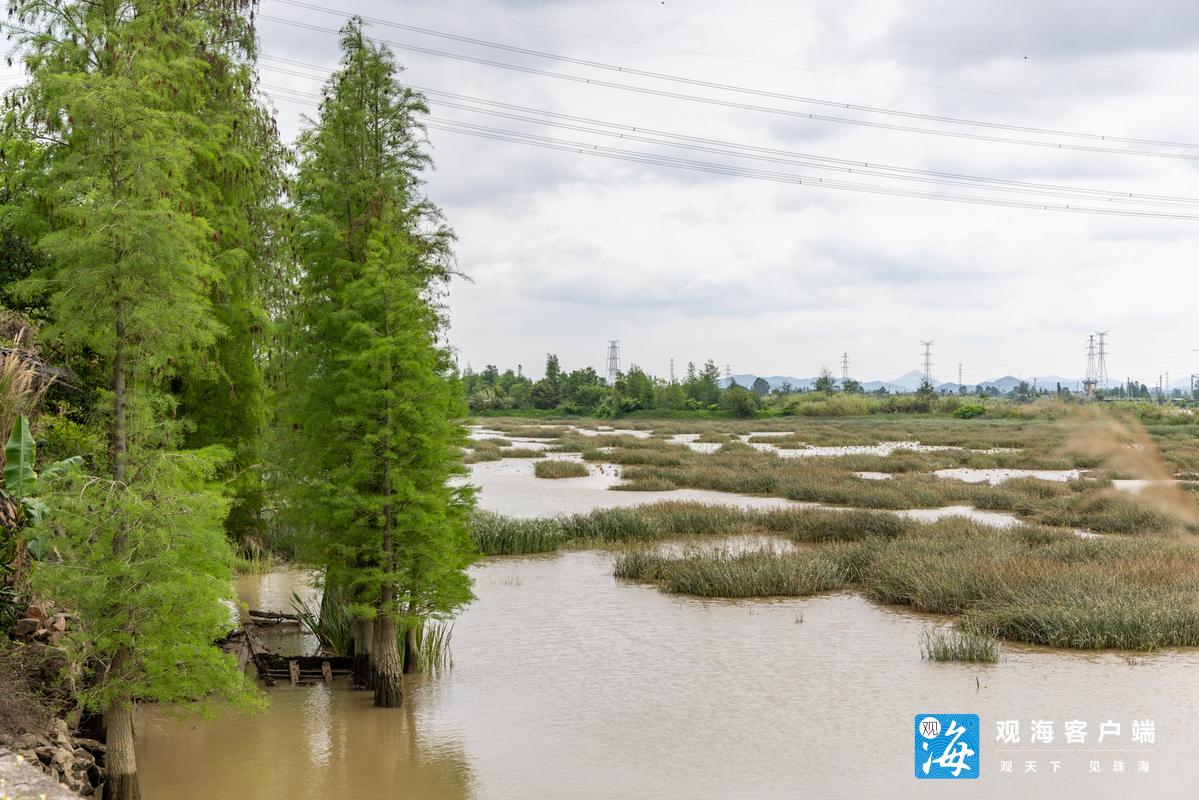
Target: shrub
(969, 411)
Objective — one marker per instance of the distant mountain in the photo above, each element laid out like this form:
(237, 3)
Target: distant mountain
(910, 382)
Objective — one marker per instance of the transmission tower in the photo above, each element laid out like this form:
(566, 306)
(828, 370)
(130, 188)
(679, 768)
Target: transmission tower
(672, 370)
(728, 375)
(844, 367)
(1090, 381)
(613, 361)
(928, 362)
(1101, 362)
(960, 374)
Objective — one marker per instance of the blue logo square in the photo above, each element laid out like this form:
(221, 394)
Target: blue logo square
(947, 746)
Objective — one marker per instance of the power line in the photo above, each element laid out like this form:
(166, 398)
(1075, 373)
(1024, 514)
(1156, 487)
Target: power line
(765, 175)
(839, 164)
(732, 170)
(584, 62)
(587, 148)
(772, 64)
(917, 43)
(784, 112)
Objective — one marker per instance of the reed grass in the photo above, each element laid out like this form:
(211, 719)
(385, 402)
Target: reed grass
(762, 573)
(496, 535)
(330, 622)
(556, 468)
(433, 639)
(957, 645)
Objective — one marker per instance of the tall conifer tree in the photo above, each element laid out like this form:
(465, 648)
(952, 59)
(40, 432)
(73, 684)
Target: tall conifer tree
(372, 426)
(112, 98)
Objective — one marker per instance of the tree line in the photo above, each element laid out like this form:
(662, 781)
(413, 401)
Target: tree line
(253, 341)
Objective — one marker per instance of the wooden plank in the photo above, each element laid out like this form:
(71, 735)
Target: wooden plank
(327, 672)
(294, 668)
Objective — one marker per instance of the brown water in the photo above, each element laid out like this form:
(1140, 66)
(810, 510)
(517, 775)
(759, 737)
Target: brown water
(570, 684)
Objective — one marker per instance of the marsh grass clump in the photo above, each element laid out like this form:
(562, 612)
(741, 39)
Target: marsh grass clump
(825, 525)
(644, 485)
(957, 645)
(761, 573)
(613, 525)
(479, 456)
(639, 565)
(520, 452)
(496, 535)
(1107, 512)
(555, 468)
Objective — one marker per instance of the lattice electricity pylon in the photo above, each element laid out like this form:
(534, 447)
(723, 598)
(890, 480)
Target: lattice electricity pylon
(613, 361)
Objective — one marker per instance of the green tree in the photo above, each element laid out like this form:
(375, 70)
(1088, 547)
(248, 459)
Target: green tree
(372, 427)
(739, 401)
(235, 180)
(760, 387)
(825, 382)
(544, 394)
(704, 386)
(553, 372)
(150, 616)
(127, 275)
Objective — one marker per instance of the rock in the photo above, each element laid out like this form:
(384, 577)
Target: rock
(59, 623)
(24, 627)
(83, 757)
(38, 611)
(60, 734)
(91, 745)
(94, 776)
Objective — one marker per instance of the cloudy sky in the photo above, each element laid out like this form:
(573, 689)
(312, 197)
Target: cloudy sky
(567, 249)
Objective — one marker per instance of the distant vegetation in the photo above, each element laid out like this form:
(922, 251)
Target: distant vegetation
(702, 391)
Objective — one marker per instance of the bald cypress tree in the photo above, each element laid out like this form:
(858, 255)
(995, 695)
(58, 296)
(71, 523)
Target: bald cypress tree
(370, 429)
(112, 103)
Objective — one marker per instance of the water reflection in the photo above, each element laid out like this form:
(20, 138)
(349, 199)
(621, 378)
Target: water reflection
(570, 684)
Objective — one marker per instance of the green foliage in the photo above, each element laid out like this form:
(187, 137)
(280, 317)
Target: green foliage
(739, 402)
(825, 382)
(330, 622)
(369, 430)
(19, 454)
(146, 565)
(60, 437)
(969, 411)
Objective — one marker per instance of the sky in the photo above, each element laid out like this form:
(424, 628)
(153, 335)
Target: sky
(565, 249)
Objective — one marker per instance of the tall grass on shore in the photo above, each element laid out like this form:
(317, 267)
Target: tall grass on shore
(955, 645)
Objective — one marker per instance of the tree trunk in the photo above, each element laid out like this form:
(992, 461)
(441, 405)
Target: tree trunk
(411, 662)
(363, 637)
(120, 763)
(118, 397)
(389, 672)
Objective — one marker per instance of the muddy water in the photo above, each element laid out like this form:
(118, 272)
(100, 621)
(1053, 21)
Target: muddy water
(509, 487)
(570, 684)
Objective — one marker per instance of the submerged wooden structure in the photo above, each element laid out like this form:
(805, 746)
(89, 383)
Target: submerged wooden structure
(273, 667)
